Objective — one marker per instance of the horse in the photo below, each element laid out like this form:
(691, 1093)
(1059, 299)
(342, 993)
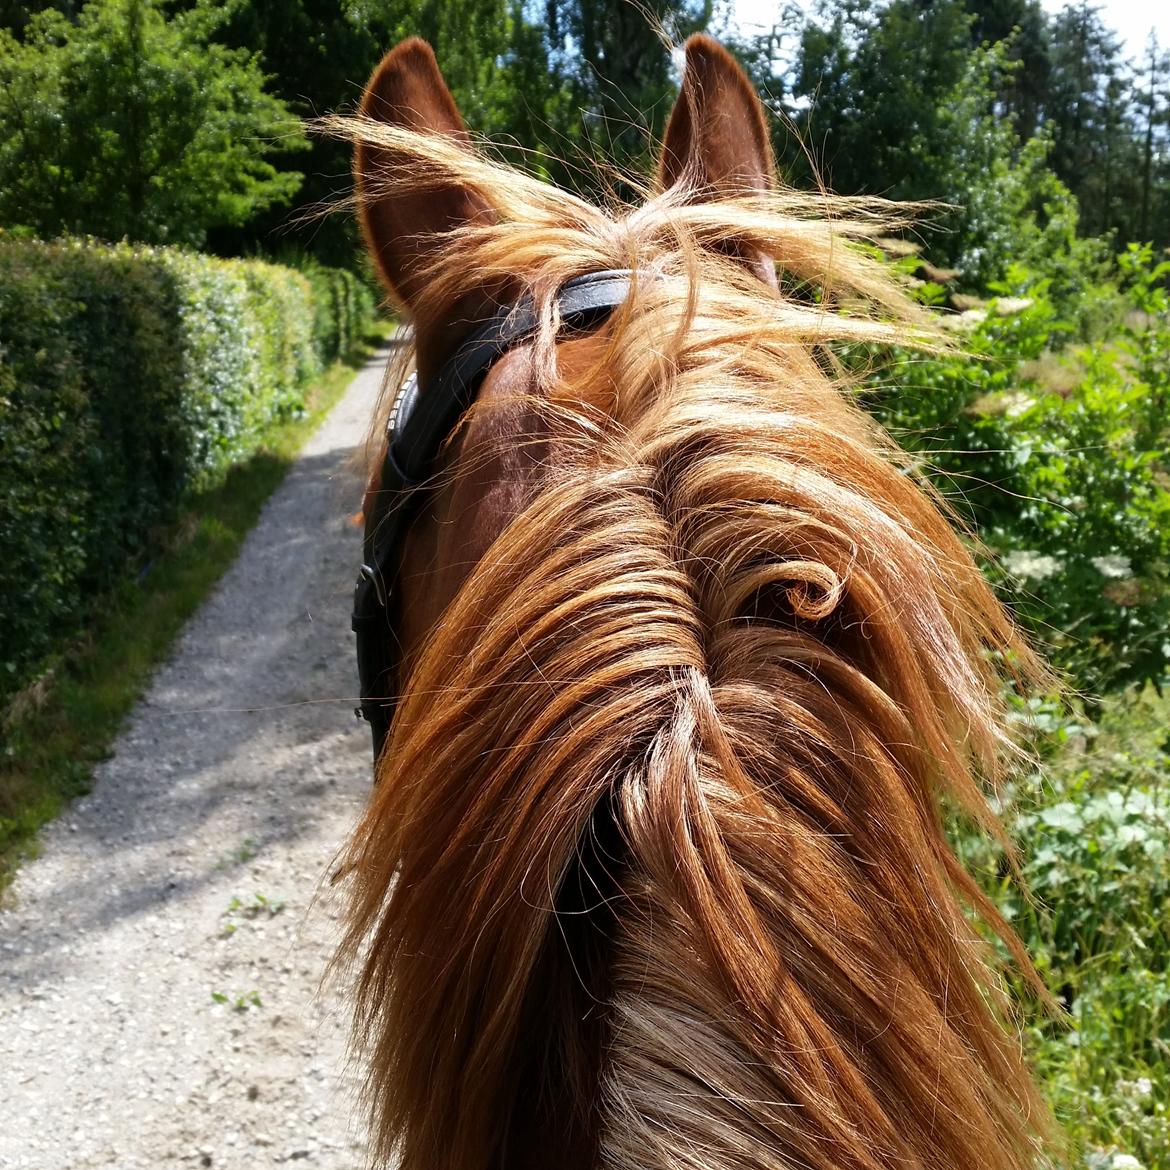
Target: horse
(677, 667)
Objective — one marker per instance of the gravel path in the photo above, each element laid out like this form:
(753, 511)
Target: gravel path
(160, 963)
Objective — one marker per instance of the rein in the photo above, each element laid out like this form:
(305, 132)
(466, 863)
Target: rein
(420, 423)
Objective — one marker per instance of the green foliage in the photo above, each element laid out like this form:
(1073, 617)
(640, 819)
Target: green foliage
(241, 910)
(872, 83)
(58, 728)
(1090, 110)
(549, 84)
(621, 73)
(239, 1003)
(316, 55)
(1094, 833)
(1060, 465)
(343, 306)
(895, 97)
(513, 75)
(1021, 28)
(1010, 209)
(130, 376)
(131, 123)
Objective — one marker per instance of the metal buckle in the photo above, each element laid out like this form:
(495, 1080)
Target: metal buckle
(371, 574)
(395, 410)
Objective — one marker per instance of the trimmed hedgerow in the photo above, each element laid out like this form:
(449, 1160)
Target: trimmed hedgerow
(342, 304)
(130, 376)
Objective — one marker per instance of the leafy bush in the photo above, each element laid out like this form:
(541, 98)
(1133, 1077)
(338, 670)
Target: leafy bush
(128, 377)
(1059, 462)
(342, 304)
(1050, 435)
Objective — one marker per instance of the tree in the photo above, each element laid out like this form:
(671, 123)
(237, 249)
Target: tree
(1088, 117)
(318, 54)
(874, 80)
(16, 14)
(623, 68)
(1011, 211)
(1022, 27)
(1153, 99)
(547, 83)
(134, 124)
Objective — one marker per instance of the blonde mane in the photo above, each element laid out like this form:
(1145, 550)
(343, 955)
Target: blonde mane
(831, 290)
(656, 861)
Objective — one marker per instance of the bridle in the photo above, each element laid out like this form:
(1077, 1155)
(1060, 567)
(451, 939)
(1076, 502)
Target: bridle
(420, 423)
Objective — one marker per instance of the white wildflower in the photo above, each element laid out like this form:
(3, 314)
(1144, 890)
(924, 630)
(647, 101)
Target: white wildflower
(1125, 1162)
(1007, 306)
(1143, 1087)
(1017, 404)
(1028, 565)
(1114, 565)
(969, 319)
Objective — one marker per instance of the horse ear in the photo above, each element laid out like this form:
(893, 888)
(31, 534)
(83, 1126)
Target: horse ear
(717, 141)
(400, 227)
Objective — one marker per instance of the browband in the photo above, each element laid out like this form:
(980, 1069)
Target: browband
(420, 422)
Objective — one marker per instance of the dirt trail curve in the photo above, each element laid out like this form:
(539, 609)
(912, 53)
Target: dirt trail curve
(189, 876)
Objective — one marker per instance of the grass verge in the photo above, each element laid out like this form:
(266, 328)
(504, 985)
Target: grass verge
(59, 728)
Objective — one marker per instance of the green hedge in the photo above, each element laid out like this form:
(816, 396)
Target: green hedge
(342, 305)
(130, 376)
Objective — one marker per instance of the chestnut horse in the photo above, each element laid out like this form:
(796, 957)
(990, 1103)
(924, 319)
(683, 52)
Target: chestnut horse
(687, 665)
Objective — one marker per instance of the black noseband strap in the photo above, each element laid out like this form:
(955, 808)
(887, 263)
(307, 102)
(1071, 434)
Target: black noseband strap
(419, 425)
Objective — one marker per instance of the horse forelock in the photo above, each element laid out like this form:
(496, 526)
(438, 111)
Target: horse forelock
(655, 873)
(536, 237)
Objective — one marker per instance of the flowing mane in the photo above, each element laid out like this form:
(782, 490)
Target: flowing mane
(544, 236)
(654, 873)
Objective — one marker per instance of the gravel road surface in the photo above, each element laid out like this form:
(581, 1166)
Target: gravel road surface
(161, 961)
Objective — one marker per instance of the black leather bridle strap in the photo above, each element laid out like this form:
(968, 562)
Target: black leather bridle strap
(424, 421)
(420, 423)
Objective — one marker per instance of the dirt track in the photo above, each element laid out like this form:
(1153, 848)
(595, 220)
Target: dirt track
(160, 962)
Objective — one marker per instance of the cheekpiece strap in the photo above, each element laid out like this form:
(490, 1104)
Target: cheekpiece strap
(420, 422)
